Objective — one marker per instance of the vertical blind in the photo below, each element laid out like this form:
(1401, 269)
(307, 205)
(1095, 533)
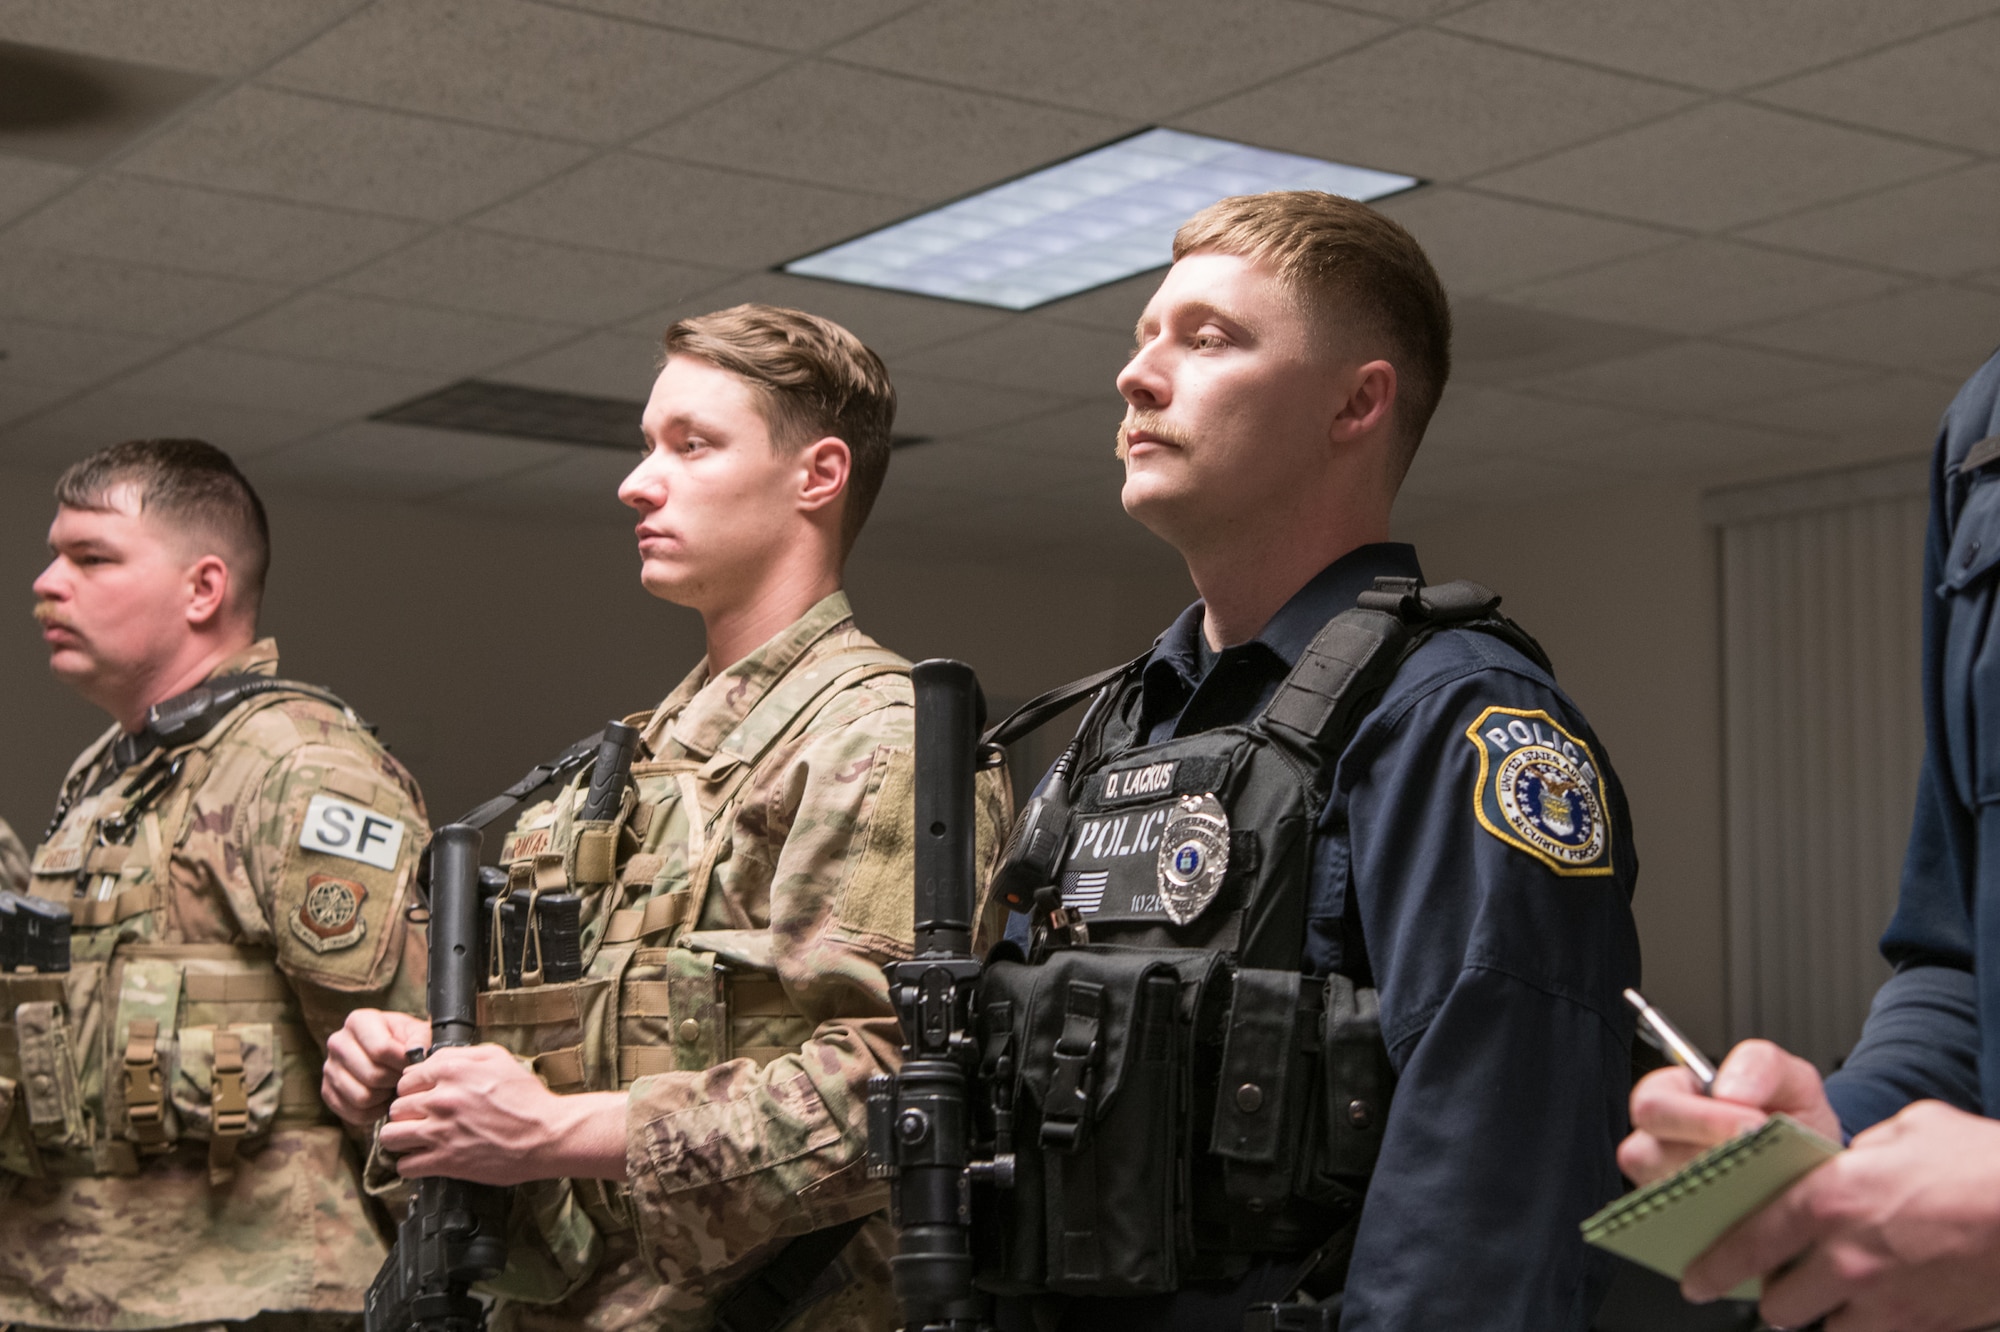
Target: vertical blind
(1822, 737)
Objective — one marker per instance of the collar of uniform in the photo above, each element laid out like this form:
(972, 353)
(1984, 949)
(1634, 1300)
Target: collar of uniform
(1172, 685)
(700, 714)
(260, 658)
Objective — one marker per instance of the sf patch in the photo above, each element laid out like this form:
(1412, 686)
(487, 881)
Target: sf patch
(1540, 790)
(329, 918)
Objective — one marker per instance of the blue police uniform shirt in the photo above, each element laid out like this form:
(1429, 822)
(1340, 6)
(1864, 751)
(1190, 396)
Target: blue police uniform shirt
(1499, 934)
(1934, 1028)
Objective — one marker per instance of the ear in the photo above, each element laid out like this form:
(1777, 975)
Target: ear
(823, 468)
(207, 591)
(1371, 393)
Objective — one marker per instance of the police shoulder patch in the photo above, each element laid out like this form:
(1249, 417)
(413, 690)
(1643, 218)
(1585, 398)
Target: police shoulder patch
(1540, 790)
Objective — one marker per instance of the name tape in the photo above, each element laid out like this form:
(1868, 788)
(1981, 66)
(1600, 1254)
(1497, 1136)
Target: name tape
(337, 828)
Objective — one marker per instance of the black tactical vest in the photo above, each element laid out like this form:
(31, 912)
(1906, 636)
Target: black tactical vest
(1178, 1097)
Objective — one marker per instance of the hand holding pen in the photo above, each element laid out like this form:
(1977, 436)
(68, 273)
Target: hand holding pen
(1678, 1113)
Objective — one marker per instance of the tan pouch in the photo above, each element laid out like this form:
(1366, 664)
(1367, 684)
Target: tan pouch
(48, 1078)
(552, 1245)
(17, 1141)
(227, 1081)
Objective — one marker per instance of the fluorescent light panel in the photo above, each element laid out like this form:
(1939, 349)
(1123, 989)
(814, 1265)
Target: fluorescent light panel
(1078, 224)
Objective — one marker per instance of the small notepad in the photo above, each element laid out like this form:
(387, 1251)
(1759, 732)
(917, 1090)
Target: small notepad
(1667, 1225)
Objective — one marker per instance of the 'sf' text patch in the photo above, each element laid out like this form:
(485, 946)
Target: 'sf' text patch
(337, 828)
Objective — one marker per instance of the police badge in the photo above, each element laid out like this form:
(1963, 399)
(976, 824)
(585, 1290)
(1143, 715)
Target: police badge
(1194, 855)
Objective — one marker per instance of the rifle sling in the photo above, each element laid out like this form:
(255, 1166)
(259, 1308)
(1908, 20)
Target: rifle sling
(802, 1274)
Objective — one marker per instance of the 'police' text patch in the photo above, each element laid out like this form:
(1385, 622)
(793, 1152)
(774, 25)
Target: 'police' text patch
(1540, 790)
(337, 828)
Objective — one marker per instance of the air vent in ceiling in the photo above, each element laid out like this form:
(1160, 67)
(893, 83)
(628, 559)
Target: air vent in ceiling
(485, 407)
(63, 106)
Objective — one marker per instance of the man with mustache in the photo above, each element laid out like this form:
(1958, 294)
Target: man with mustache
(235, 856)
(1378, 848)
(691, 1151)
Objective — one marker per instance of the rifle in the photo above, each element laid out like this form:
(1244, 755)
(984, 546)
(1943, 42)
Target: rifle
(455, 1233)
(921, 1131)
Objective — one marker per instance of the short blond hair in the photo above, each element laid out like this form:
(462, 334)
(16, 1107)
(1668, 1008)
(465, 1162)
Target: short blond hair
(1344, 260)
(814, 379)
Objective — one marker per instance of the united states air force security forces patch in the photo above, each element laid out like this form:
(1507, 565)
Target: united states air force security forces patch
(1540, 790)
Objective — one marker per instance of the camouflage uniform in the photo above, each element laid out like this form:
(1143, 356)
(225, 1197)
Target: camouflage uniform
(738, 915)
(13, 859)
(167, 1158)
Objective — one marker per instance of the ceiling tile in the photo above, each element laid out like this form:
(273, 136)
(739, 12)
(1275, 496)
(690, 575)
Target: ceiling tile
(1116, 306)
(1693, 376)
(580, 486)
(1704, 285)
(275, 383)
(177, 226)
(104, 293)
(690, 213)
(23, 184)
(943, 408)
(33, 353)
(330, 326)
(1034, 354)
(1708, 449)
(258, 141)
(1710, 43)
(1941, 87)
(1895, 410)
(214, 36)
(1719, 165)
(1945, 226)
(1481, 244)
(403, 461)
(1494, 342)
(888, 321)
(864, 130)
(521, 66)
(104, 417)
(1435, 105)
(610, 365)
(18, 400)
(506, 275)
(1488, 422)
(1408, 11)
(1102, 55)
(783, 23)
(1947, 330)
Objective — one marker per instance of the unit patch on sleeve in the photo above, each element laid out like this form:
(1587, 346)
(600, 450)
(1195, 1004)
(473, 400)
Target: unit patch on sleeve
(329, 918)
(1540, 790)
(339, 828)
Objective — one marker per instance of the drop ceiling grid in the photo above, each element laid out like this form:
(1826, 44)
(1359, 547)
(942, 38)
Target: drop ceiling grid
(1771, 277)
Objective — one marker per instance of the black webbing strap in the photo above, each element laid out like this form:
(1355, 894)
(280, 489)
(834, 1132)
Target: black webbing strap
(562, 766)
(801, 1275)
(1351, 661)
(1041, 708)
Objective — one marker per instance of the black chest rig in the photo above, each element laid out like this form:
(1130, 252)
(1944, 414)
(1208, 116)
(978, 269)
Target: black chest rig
(1179, 1098)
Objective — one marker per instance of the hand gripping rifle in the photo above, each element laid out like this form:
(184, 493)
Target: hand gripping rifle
(455, 1232)
(921, 1130)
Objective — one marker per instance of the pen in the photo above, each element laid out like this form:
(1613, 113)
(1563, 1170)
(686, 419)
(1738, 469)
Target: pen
(1662, 1035)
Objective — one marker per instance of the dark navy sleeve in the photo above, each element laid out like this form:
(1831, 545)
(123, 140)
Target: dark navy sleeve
(1500, 969)
(1923, 1035)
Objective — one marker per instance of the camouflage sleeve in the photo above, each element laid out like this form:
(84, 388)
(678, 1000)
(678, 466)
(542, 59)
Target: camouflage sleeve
(13, 860)
(334, 837)
(728, 1160)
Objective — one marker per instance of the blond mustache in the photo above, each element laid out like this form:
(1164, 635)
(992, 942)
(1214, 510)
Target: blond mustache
(46, 615)
(1151, 426)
